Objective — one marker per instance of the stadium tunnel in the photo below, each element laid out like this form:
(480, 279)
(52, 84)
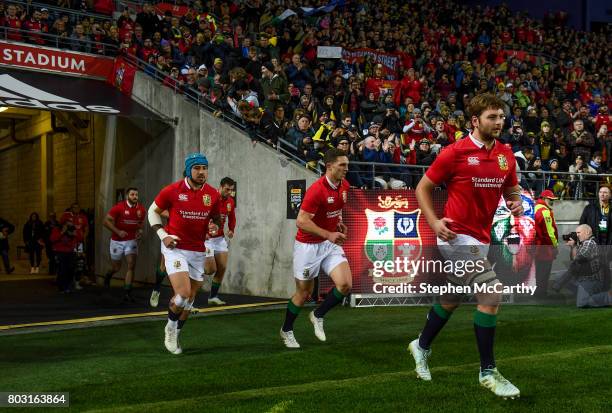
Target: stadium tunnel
(66, 139)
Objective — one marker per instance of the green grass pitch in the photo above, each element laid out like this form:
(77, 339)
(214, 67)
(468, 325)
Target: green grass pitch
(559, 357)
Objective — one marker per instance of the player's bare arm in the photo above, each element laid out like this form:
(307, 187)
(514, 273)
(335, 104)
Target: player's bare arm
(425, 199)
(155, 215)
(512, 195)
(109, 222)
(305, 223)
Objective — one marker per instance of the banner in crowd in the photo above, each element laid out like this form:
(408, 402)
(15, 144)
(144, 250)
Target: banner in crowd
(521, 55)
(388, 225)
(391, 61)
(20, 55)
(380, 87)
(122, 76)
(177, 11)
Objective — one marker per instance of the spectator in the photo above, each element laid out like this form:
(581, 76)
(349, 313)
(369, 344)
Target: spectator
(370, 108)
(298, 73)
(79, 41)
(546, 142)
(577, 184)
(424, 154)
(596, 163)
(66, 239)
(36, 28)
(148, 19)
(296, 134)
(555, 181)
(34, 240)
(274, 87)
(13, 22)
(51, 223)
(274, 126)
(514, 136)
(598, 216)
(6, 229)
(580, 141)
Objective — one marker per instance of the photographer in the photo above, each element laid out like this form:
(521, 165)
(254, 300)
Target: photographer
(65, 240)
(584, 275)
(6, 229)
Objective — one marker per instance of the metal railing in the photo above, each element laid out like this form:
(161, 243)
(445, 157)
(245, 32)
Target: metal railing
(58, 42)
(565, 185)
(283, 147)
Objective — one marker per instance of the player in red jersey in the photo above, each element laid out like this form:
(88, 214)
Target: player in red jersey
(125, 221)
(191, 204)
(477, 170)
(216, 262)
(318, 246)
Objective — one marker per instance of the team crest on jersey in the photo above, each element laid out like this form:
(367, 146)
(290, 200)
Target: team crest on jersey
(229, 207)
(502, 162)
(177, 264)
(344, 196)
(206, 200)
(393, 234)
(139, 213)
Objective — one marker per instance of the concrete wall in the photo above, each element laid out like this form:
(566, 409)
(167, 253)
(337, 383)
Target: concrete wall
(138, 155)
(261, 252)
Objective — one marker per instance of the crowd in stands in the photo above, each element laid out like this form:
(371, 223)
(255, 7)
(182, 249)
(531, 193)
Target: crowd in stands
(254, 59)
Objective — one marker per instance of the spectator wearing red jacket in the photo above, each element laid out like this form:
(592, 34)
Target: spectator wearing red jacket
(36, 27)
(408, 87)
(12, 21)
(64, 241)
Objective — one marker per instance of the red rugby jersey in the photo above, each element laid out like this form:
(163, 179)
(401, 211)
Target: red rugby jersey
(190, 211)
(475, 178)
(325, 202)
(127, 218)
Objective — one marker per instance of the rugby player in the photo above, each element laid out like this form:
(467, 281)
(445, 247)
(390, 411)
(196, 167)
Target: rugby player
(216, 242)
(318, 246)
(191, 204)
(125, 221)
(477, 170)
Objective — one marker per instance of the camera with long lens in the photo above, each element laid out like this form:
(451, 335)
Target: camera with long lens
(571, 235)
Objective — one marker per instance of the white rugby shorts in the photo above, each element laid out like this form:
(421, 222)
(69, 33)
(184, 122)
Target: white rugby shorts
(463, 247)
(309, 259)
(216, 244)
(178, 260)
(120, 248)
(468, 249)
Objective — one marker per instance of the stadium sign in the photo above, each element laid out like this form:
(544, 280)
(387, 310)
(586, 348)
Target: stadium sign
(387, 227)
(18, 55)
